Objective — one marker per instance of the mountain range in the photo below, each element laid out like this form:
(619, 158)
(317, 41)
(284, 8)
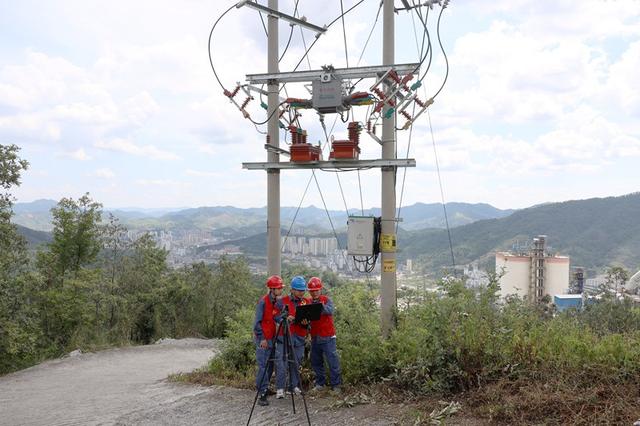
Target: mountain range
(595, 233)
(36, 215)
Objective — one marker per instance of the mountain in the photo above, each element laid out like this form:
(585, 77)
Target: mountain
(33, 237)
(36, 215)
(595, 233)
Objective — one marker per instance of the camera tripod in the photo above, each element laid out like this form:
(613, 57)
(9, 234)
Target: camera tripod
(288, 355)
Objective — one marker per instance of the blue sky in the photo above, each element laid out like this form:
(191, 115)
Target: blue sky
(117, 99)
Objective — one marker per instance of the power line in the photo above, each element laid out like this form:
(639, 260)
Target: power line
(444, 205)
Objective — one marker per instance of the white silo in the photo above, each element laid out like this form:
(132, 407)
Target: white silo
(514, 272)
(557, 275)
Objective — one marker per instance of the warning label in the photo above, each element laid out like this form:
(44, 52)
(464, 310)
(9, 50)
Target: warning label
(388, 243)
(389, 265)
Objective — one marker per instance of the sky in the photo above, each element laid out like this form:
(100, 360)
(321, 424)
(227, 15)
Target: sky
(118, 99)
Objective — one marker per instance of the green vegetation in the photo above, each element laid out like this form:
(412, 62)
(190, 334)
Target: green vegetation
(87, 288)
(509, 362)
(596, 233)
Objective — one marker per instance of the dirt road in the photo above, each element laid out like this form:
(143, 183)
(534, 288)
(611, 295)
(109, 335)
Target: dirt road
(129, 386)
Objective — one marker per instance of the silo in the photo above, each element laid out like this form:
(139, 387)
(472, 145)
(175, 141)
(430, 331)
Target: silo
(556, 275)
(516, 274)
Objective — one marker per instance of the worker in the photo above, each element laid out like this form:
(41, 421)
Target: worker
(264, 330)
(323, 340)
(297, 334)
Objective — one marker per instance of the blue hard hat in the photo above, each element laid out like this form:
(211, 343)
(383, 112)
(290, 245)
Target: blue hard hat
(298, 283)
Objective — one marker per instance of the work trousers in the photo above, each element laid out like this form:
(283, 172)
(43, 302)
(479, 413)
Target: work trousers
(325, 348)
(282, 364)
(265, 365)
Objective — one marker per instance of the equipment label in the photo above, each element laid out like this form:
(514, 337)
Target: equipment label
(388, 243)
(389, 265)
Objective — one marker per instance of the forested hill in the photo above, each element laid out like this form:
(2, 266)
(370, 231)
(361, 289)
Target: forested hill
(596, 233)
(34, 238)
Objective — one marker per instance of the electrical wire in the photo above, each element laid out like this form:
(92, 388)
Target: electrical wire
(209, 44)
(295, 13)
(446, 76)
(329, 216)
(296, 213)
(444, 205)
(370, 33)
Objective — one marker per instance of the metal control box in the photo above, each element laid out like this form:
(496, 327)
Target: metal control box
(360, 236)
(327, 96)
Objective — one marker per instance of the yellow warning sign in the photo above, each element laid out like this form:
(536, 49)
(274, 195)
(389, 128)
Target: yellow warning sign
(388, 243)
(389, 265)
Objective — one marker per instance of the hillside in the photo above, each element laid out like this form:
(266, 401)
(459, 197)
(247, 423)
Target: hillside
(36, 215)
(596, 233)
(33, 237)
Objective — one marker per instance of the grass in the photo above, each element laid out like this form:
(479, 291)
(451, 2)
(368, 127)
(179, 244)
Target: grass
(502, 362)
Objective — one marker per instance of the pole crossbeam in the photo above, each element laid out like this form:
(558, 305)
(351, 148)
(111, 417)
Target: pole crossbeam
(337, 164)
(343, 73)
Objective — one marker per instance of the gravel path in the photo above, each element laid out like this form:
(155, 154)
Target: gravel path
(129, 386)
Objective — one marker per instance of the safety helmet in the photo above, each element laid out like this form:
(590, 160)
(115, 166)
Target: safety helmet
(314, 283)
(298, 283)
(274, 281)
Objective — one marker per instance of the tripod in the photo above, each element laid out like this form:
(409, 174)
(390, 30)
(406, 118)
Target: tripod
(288, 355)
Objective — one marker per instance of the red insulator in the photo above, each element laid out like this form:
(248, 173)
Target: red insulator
(369, 126)
(294, 134)
(406, 115)
(419, 102)
(354, 132)
(394, 76)
(246, 102)
(231, 95)
(379, 92)
(404, 81)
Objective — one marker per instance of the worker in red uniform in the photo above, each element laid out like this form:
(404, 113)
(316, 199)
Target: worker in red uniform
(297, 333)
(323, 340)
(264, 330)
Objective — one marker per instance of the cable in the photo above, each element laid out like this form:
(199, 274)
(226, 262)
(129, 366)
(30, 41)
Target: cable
(209, 44)
(295, 13)
(370, 33)
(296, 213)
(329, 216)
(444, 206)
(442, 48)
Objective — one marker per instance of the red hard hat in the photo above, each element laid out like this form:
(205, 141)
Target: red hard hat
(314, 283)
(274, 281)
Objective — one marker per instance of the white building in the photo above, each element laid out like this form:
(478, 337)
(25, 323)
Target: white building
(533, 275)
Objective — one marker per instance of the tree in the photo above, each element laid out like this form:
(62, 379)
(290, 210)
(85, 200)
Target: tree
(76, 235)
(19, 331)
(616, 278)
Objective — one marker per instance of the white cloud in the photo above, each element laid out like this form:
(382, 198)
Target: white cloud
(200, 173)
(128, 147)
(104, 173)
(78, 154)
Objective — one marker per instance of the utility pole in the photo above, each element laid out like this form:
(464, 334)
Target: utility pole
(388, 186)
(273, 132)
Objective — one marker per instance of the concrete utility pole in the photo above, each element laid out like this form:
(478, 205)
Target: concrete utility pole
(273, 175)
(388, 186)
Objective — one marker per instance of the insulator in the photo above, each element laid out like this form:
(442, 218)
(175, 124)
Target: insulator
(394, 76)
(354, 131)
(404, 81)
(419, 102)
(369, 126)
(379, 92)
(294, 134)
(231, 95)
(405, 114)
(246, 102)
